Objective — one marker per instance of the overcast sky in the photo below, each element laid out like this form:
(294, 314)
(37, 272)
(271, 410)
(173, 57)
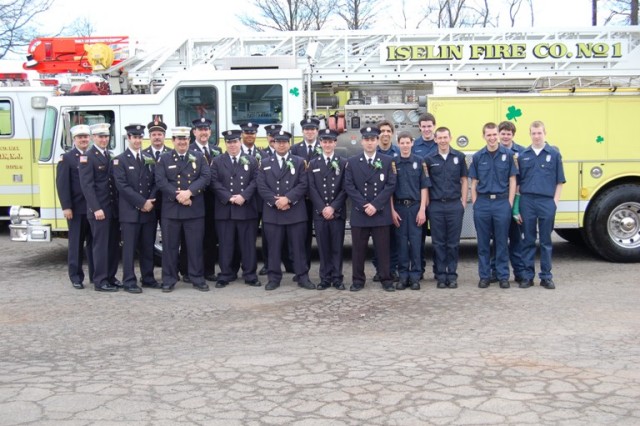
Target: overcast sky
(147, 20)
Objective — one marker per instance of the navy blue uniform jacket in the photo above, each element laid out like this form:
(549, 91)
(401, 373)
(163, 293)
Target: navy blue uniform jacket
(290, 182)
(136, 184)
(172, 175)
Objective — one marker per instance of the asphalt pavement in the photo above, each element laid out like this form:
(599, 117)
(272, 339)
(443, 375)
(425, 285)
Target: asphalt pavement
(244, 356)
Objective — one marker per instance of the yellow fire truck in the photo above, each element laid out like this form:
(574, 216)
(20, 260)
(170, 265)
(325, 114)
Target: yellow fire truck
(23, 98)
(583, 83)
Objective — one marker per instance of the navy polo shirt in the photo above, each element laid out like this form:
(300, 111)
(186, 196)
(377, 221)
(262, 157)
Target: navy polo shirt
(424, 148)
(392, 152)
(411, 179)
(540, 174)
(445, 175)
(493, 170)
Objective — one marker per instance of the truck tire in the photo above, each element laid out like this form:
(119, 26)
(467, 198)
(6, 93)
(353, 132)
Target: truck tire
(574, 236)
(612, 225)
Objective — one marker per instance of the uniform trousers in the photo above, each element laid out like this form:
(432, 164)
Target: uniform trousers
(106, 239)
(330, 240)
(79, 235)
(193, 233)
(295, 236)
(237, 236)
(491, 218)
(446, 227)
(381, 243)
(538, 217)
(408, 242)
(138, 237)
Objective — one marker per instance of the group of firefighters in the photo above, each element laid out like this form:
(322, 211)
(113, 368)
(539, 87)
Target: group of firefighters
(209, 205)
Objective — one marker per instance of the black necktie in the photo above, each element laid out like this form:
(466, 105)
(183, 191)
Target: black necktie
(234, 160)
(206, 154)
(249, 151)
(106, 154)
(182, 157)
(157, 155)
(138, 159)
(310, 152)
(328, 160)
(281, 163)
(371, 161)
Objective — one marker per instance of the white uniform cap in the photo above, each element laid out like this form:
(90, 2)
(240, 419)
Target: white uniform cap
(100, 129)
(181, 132)
(80, 129)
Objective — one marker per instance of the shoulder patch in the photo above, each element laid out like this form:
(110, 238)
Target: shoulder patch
(83, 159)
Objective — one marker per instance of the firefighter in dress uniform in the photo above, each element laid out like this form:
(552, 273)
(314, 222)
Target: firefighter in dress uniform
(328, 197)
(370, 180)
(74, 206)
(308, 149)
(282, 184)
(133, 172)
(98, 187)
(182, 177)
(233, 181)
(202, 133)
(493, 186)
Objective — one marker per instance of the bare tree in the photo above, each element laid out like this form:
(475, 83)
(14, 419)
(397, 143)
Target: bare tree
(358, 14)
(16, 23)
(458, 13)
(281, 15)
(81, 27)
(622, 12)
(321, 12)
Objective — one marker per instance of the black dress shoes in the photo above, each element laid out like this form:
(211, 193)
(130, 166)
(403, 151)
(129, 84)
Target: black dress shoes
(222, 284)
(307, 284)
(167, 288)
(395, 277)
(401, 285)
(525, 283)
(263, 271)
(271, 285)
(106, 287)
(253, 283)
(388, 287)
(186, 279)
(356, 287)
(339, 285)
(483, 283)
(504, 284)
(154, 284)
(201, 287)
(78, 285)
(441, 284)
(376, 278)
(211, 277)
(548, 284)
(323, 285)
(414, 285)
(116, 283)
(133, 289)
(453, 284)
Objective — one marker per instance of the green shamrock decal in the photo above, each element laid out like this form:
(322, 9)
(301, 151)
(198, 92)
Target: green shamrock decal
(513, 113)
(295, 91)
(599, 139)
